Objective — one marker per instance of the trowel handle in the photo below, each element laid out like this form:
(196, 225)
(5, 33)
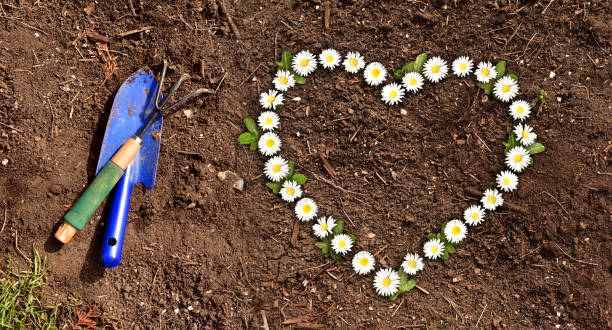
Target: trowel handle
(114, 231)
(97, 190)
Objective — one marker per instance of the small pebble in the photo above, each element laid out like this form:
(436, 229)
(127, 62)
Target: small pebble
(5, 162)
(552, 75)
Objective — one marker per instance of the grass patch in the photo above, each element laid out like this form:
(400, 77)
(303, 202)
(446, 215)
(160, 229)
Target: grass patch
(20, 295)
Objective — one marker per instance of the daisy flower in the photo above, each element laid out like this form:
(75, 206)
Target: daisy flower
(392, 93)
(518, 159)
(474, 215)
(525, 134)
(505, 89)
(363, 262)
(353, 62)
(435, 69)
(268, 120)
(520, 110)
(271, 99)
(491, 199)
(375, 73)
(276, 168)
(283, 80)
(462, 66)
(329, 58)
(341, 244)
(324, 226)
(507, 181)
(455, 231)
(304, 63)
(290, 191)
(412, 81)
(485, 72)
(412, 263)
(306, 209)
(386, 282)
(433, 248)
(269, 144)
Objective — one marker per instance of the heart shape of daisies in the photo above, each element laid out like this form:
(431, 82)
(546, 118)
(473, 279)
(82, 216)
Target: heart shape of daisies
(263, 136)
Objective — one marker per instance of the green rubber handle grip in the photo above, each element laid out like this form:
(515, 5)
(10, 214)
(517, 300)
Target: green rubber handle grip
(93, 196)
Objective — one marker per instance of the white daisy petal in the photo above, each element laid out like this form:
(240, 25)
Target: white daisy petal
(412, 81)
(435, 69)
(306, 209)
(520, 110)
(269, 144)
(412, 263)
(505, 89)
(329, 58)
(433, 248)
(304, 63)
(507, 181)
(290, 191)
(525, 134)
(386, 282)
(474, 215)
(455, 231)
(485, 72)
(271, 99)
(518, 159)
(276, 168)
(353, 62)
(462, 66)
(375, 73)
(283, 80)
(341, 244)
(363, 262)
(324, 226)
(392, 93)
(491, 199)
(268, 120)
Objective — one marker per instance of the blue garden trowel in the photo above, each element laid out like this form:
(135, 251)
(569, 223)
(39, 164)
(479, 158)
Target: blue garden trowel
(132, 108)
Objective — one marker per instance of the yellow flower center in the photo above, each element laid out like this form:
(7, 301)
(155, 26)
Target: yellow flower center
(375, 73)
(475, 215)
(270, 143)
(342, 244)
(456, 230)
(506, 181)
(518, 158)
(290, 191)
(520, 110)
(412, 264)
(364, 262)
(323, 226)
(353, 62)
(462, 66)
(271, 98)
(283, 80)
(435, 69)
(386, 281)
(413, 81)
(275, 168)
(434, 249)
(485, 72)
(393, 94)
(491, 199)
(506, 88)
(525, 134)
(268, 121)
(306, 208)
(329, 58)
(304, 63)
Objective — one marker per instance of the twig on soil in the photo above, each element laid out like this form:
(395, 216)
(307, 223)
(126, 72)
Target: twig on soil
(153, 283)
(11, 127)
(530, 252)
(381, 178)
(398, 307)
(265, 320)
(132, 7)
(220, 82)
(246, 276)
(345, 214)
(25, 24)
(296, 231)
(513, 34)
(5, 216)
(480, 317)
(603, 173)
(134, 31)
(576, 260)
(326, 165)
(355, 134)
(250, 75)
(452, 303)
(19, 250)
(327, 12)
(551, 1)
(556, 200)
(229, 19)
(481, 141)
(422, 290)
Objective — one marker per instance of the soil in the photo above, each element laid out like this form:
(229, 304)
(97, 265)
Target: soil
(199, 253)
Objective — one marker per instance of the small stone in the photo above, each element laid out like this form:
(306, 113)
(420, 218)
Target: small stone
(371, 235)
(5, 162)
(238, 184)
(403, 112)
(552, 74)
(191, 205)
(477, 271)
(460, 142)
(457, 279)
(188, 113)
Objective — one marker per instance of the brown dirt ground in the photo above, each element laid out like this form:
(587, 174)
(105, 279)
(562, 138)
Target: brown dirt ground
(193, 241)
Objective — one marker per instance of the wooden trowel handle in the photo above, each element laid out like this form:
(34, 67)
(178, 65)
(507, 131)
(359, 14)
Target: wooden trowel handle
(98, 189)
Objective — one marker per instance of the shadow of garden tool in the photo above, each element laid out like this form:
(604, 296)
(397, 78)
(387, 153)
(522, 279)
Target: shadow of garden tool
(118, 159)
